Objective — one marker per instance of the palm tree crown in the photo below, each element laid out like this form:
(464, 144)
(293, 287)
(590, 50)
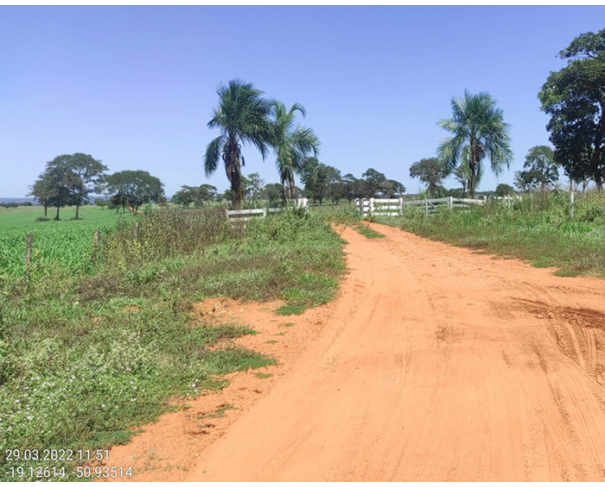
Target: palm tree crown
(478, 129)
(243, 118)
(293, 144)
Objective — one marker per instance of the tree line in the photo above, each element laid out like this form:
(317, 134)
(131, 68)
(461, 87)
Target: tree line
(69, 180)
(574, 97)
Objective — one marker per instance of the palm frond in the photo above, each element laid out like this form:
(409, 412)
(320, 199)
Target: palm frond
(213, 154)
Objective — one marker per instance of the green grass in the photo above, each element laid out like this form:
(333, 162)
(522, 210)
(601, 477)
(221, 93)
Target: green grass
(89, 354)
(538, 230)
(366, 231)
(290, 309)
(220, 411)
(260, 375)
(287, 325)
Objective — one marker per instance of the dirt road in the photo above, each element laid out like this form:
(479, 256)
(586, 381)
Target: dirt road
(436, 364)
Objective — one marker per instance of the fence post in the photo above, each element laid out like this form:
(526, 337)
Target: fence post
(28, 253)
(401, 206)
(264, 212)
(450, 202)
(426, 207)
(136, 232)
(371, 206)
(95, 244)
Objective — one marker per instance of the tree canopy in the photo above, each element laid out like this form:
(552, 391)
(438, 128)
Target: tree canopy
(132, 189)
(478, 129)
(242, 116)
(574, 97)
(431, 171)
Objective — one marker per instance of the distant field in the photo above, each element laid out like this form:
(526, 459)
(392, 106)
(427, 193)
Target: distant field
(58, 245)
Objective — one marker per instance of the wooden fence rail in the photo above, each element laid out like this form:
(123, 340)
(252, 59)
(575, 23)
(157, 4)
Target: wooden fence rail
(245, 215)
(395, 206)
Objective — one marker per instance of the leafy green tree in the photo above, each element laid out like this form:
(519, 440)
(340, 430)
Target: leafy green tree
(352, 187)
(133, 189)
(541, 166)
(42, 191)
(60, 179)
(89, 173)
(431, 171)
(254, 186)
(101, 202)
(478, 124)
(375, 183)
(524, 181)
(273, 193)
(504, 190)
(196, 195)
(292, 144)
(242, 116)
(574, 97)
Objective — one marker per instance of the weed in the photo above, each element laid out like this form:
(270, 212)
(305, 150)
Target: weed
(260, 375)
(290, 309)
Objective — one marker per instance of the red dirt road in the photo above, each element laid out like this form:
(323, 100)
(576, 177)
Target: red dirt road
(434, 364)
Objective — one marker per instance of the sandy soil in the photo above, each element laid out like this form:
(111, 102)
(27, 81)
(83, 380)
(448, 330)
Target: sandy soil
(434, 363)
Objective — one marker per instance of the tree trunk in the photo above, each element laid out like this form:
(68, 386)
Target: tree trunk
(284, 197)
(77, 211)
(472, 182)
(57, 217)
(45, 211)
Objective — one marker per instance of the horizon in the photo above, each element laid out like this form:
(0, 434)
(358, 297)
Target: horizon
(135, 86)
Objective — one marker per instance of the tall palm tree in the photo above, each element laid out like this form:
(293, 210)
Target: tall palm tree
(243, 117)
(292, 144)
(478, 124)
(463, 172)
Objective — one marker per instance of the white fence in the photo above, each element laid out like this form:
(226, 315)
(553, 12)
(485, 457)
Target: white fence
(394, 207)
(245, 215)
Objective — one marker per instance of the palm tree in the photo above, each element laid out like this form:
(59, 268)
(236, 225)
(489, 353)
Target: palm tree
(477, 124)
(463, 171)
(293, 144)
(243, 117)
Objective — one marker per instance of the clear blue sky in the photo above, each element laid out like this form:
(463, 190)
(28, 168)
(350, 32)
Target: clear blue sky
(134, 86)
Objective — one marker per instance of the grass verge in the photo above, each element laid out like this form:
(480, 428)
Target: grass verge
(85, 358)
(537, 229)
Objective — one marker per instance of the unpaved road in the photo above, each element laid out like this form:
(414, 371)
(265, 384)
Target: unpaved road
(436, 364)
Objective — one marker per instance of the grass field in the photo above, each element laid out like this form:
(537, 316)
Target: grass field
(87, 354)
(538, 230)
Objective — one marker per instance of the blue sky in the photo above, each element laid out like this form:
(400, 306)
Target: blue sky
(135, 86)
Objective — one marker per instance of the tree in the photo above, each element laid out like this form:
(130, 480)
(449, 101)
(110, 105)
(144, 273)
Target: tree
(42, 191)
(101, 202)
(396, 189)
(273, 193)
(292, 144)
(541, 166)
(478, 126)
(375, 183)
(254, 186)
(89, 176)
(430, 171)
(574, 97)
(60, 179)
(134, 189)
(504, 190)
(524, 181)
(196, 195)
(242, 115)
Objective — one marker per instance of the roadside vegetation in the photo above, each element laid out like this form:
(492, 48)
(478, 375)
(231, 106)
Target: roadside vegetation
(89, 353)
(538, 229)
